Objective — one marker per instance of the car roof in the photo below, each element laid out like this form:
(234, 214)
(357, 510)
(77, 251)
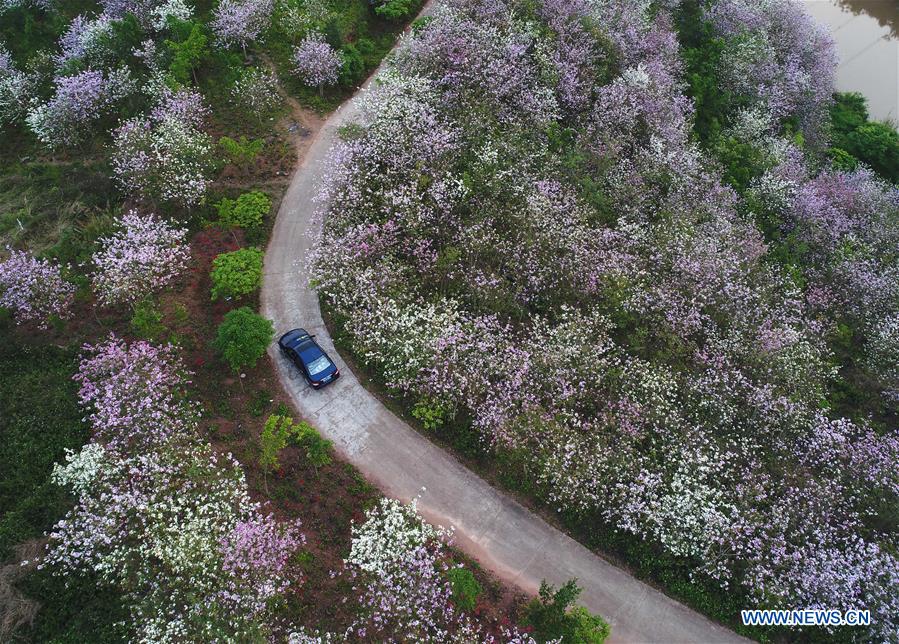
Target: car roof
(295, 333)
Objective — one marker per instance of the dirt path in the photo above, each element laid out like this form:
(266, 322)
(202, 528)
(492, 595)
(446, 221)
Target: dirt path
(502, 535)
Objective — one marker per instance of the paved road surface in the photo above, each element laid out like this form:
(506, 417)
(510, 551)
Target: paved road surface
(502, 535)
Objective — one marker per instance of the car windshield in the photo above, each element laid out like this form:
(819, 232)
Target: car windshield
(318, 365)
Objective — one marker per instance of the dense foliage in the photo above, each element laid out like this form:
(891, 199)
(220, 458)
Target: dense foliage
(247, 211)
(523, 237)
(237, 273)
(243, 336)
(873, 143)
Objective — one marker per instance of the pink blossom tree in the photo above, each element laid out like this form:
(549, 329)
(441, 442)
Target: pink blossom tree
(33, 289)
(143, 256)
(165, 155)
(160, 515)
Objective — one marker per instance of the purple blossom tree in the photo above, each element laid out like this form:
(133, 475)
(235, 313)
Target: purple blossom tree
(776, 54)
(241, 22)
(165, 156)
(16, 90)
(77, 104)
(143, 256)
(151, 14)
(33, 289)
(159, 514)
(86, 40)
(316, 62)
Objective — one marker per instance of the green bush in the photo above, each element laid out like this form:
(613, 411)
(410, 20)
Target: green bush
(317, 449)
(396, 9)
(873, 143)
(430, 413)
(272, 441)
(877, 144)
(146, 321)
(188, 52)
(353, 69)
(242, 152)
(554, 619)
(247, 211)
(243, 336)
(842, 160)
(237, 273)
(465, 587)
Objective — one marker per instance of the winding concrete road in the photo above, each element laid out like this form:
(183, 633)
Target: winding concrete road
(506, 538)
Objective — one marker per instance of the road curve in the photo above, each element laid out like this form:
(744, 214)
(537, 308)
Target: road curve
(506, 538)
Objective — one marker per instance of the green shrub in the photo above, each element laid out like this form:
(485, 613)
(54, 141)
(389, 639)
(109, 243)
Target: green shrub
(273, 439)
(430, 413)
(317, 449)
(247, 211)
(742, 162)
(554, 619)
(466, 588)
(877, 144)
(353, 69)
(842, 160)
(237, 273)
(588, 628)
(243, 152)
(188, 52)
(873, 143)
(396, 9)
(146, 321)
(243, 336)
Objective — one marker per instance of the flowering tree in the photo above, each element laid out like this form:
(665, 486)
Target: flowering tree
(143, 256)
(160, 515)
(16, 88)
(152, 14)
(86, 39)
(165, 155)
(406, 592)
(256, 92)
(316, 62)
(178, 9)
(135, 393)
(33, 289)
(777, 55)
(240, 22)
(647, 356)
(78, 103)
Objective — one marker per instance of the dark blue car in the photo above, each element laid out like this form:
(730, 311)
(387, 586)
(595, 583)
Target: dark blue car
(317, 367)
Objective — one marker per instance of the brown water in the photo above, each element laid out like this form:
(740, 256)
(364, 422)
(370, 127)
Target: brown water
(867, 37)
